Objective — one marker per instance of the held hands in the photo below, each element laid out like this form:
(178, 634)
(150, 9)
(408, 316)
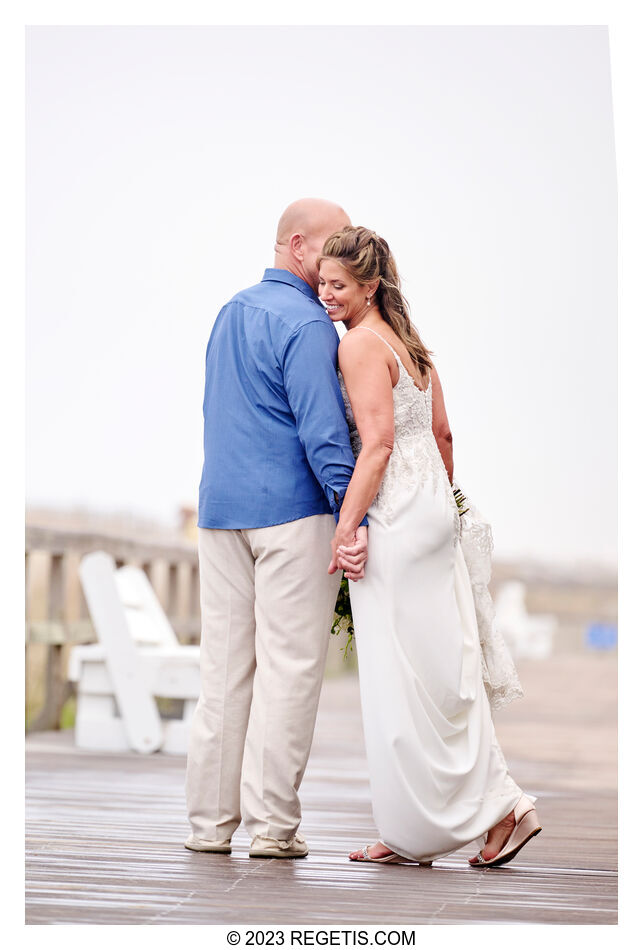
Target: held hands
(350, 552)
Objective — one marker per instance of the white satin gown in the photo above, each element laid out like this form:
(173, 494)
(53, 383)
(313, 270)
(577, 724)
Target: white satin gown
(438, 778)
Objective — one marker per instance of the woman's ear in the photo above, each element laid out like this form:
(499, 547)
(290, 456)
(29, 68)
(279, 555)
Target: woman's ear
(372, 287)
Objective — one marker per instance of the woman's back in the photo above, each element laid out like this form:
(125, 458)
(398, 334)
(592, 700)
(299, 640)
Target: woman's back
(415, 456)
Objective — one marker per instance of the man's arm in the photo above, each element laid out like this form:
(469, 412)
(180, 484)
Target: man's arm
(312, 388)
(314, 396)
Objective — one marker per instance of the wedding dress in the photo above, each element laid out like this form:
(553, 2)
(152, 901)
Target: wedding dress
(438, 778)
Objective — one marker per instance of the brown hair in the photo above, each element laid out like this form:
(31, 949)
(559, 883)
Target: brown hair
(366, 256)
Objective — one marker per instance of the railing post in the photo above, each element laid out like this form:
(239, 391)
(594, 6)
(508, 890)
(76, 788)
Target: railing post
(194, 607)
(27, 601)
(172, 591)
(27, 576)
(57, 689)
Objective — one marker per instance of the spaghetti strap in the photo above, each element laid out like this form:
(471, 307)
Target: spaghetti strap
(385, 342)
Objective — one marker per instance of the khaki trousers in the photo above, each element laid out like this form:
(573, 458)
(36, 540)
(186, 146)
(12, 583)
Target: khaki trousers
(267, 606)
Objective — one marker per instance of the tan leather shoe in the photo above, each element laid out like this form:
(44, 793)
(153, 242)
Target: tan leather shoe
(201, 844)
(262, 847)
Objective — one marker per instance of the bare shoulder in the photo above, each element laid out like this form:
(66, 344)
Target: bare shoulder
(354, 341)
(356, 347)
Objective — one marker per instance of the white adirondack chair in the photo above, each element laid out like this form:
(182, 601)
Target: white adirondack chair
(527, 635)
(137, 657)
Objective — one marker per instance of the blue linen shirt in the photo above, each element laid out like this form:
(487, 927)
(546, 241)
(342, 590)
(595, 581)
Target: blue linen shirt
(276, 442)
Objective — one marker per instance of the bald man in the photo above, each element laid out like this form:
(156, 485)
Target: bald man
(277, 464)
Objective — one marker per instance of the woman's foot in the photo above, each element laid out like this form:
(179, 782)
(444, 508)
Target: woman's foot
(497, 838)
(505, 839)
(375, 852)
(380, 854)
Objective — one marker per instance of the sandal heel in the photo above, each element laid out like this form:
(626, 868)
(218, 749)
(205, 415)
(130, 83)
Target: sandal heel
(529, 823)
(527, 826)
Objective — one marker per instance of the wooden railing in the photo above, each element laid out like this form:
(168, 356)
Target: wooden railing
(56, 613)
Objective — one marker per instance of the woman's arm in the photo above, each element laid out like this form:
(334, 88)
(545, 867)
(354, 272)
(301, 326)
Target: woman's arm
(365, 367)
(441, 428)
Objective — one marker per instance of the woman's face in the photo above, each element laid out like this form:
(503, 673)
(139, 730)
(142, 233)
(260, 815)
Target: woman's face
(340, 293)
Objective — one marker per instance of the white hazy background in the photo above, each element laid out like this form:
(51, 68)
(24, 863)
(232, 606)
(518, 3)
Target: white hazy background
(159, 160)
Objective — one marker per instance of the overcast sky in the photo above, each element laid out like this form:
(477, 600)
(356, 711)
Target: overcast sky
(159, 159)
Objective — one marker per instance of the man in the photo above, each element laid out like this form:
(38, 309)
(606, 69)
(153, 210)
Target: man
(277, 465)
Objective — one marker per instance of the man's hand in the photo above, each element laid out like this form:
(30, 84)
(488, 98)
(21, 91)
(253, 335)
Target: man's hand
(350, 552)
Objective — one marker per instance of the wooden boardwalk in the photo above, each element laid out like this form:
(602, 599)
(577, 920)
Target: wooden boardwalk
(105, 832)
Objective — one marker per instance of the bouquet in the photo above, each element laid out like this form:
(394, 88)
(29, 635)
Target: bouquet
(343, 619)
(460, 501)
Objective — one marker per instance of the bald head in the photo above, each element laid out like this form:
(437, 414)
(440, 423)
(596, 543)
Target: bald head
(301, 233)
(309, 216)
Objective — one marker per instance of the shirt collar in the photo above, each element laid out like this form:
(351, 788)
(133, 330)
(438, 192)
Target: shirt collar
(285, 277)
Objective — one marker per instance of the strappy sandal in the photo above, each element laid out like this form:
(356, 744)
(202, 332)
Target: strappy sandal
(526, 827)
(392, 858)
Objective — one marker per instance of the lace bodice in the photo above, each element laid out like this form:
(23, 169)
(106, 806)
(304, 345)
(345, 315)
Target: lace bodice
(415, 456)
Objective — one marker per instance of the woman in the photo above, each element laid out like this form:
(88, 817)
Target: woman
(438, 778)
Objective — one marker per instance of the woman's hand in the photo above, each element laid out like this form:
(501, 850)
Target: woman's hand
(350, 552)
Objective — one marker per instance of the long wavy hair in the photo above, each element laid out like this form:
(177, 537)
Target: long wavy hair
(366, 256)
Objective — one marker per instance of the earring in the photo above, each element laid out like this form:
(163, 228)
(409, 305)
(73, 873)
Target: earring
(368, 301)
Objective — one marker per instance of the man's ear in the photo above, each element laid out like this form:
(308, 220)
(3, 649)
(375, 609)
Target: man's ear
(297, 246)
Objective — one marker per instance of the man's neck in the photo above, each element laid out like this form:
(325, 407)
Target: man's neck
(292, 268)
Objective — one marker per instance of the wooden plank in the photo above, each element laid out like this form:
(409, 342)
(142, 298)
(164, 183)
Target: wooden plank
(105, 832)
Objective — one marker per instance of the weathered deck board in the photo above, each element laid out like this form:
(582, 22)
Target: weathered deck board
(105, 832)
